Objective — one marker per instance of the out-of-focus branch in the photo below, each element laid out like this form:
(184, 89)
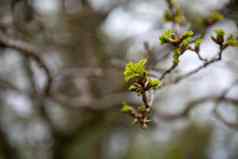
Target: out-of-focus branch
(99, 104)
(232, 125)
(195, 103)
(30, 52)
(168, 71)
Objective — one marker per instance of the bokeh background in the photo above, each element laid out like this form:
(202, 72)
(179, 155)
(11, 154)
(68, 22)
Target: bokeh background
(86, 44)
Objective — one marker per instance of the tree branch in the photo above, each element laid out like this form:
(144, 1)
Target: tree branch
(207, 63)
(194, 103)
(30, 52)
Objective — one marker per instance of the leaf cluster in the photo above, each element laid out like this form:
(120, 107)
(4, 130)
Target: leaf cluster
(137, 77)
(180, 42)
(220, 38)
(213, 18)
(174, 13)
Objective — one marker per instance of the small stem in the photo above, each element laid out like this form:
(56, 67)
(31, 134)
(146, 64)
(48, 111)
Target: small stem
(168, 71)
(198, 69)
(145, 100)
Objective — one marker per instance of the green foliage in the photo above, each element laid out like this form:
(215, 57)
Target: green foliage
(185, 43)
(232, 41)
(135, 87)
(179, 18)
(219, 36)
(174, 13)
(167, 36)
(187, 34)
(126, 108)
(176, 55)
(171, 37)
(198, 42)
(181, 42)
(154, 83)
(132, 88)
(134, 71)
(220, 32)
(168, 16)
(137, 77)
(186, 39)
(214, 17)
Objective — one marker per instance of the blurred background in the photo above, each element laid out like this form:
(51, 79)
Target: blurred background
(85, 44)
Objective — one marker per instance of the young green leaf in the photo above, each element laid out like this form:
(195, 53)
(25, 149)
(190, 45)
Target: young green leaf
(168, 16)
(185, 43)
(126, 108)
(219, 36)
(198, 42)
(215, 17)
(154, 83)
(136, 88)
(232, 41)
(187, 34)
(176, 55)
(219, 33)
(167, 36)
(132, 88)
(135, 71)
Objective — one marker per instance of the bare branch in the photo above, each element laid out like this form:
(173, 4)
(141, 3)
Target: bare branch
(232, 125)
(215, 99)
(193, 104)
(168, 71)
(30, 52)
(198, 69)
(197, 52)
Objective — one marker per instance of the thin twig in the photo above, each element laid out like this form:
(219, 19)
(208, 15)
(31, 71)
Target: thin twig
(168, 71)
(216, 99)
(196, 70)
(193, 104)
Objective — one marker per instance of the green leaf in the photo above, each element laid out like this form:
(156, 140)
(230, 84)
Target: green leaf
(132, 88)
(232, 41)
(187, 34)
(215, 16)
(179, 18)
(168, 16)
(198, 42)
(136, 70)
(185, 43)
(126, 108)
(167, 36)
(220, 33)
(154, 83)
(219, 37)
(176, 55)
